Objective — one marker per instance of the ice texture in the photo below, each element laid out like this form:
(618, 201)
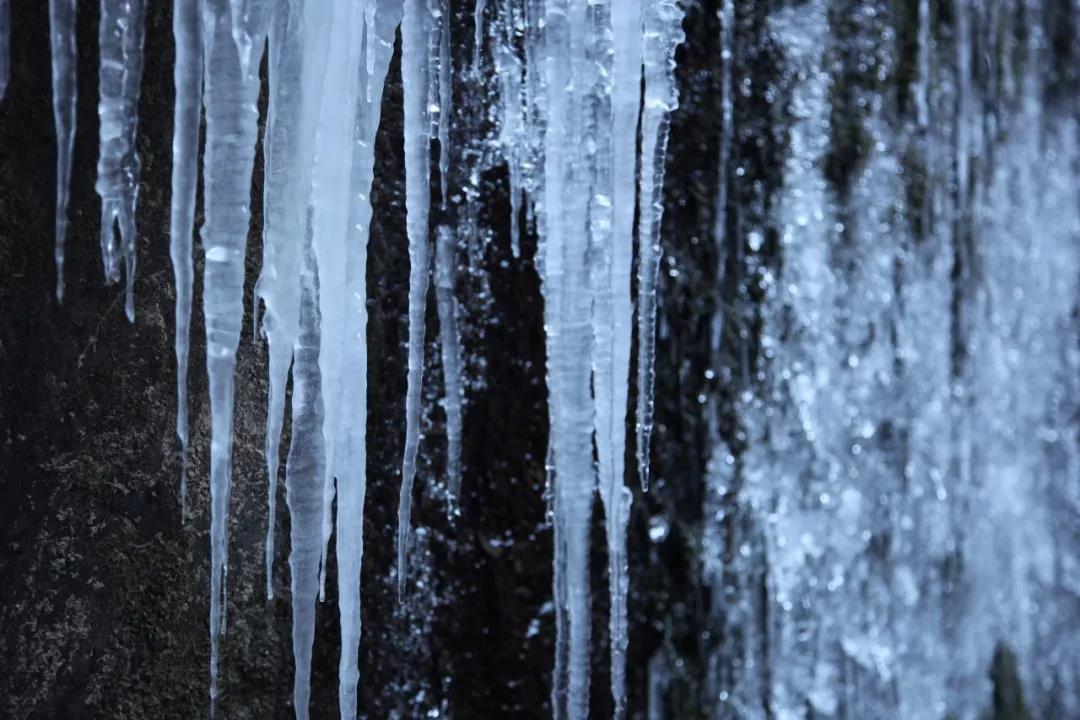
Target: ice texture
(65, 91)
(187, 112)
(120, 41)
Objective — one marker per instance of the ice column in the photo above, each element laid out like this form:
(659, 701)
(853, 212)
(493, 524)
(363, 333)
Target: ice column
(663, 32)
(415, 31)
(188, 80)
(65, 89)
(231, 129)
(120, 38)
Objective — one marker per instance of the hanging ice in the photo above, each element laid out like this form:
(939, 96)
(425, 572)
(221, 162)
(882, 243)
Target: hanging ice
(727, 113)
(296, 64)
(567, 312)
(662, 34)
(188, 81)
(62, 44)
(304, 482)
(446, 94)
(613, 331)
(341, 204)
(478, 32)
(231, 130)
(450, 340)
(415, 31)
(120, 38)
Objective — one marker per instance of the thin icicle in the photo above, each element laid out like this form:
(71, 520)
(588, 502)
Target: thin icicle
(922, 80)
(120, 38)
(614, 330)
(662, 33)
(187, 78)
(450, 340)
(567, 313)
(304, 484)
(5, 46)
(478, 32)
(65, 90)
(727, 114)
(446, 96)
(414, 78)
(295, 66)
(350, 456)
(231, 130)
(330, 195)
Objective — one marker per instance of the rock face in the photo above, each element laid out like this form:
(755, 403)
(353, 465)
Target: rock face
(103, 586)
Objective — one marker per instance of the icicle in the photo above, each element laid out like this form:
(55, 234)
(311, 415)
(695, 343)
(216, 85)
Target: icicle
(231, 130)
(612, 400)
(450, 339)
(614, 49)
(187, 78)
(512, 131)
(65, 89)
(5, 45)
(663, 32)
(330, 206)
(446, 99)
(304, 483)
(559, 596)
(478, 32)
(341, 199)
(120, 38)
(414, 78)
(727, 115)
(567, 312)
(922, 82)
(297, 63)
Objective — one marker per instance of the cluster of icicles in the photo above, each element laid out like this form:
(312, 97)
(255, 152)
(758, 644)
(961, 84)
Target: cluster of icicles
(578, 79)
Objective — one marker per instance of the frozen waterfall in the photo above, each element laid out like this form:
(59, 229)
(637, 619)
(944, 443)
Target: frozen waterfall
(803, 281)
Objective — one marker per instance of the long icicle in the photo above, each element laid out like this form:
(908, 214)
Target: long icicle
(415, 29)
(120, 38)
(567, 311)
(450, 340)
(446, 96)
(304, 473)
(65, 91)
(231, 130)
(380, 25)
(727, 116)
(662, 34)
(330, 194)
(625, 110)
(188, 80)
(330, 217)
(297, 61)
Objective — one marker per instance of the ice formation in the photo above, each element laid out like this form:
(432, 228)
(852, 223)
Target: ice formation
(120, 39)
(416, 29)
(901, 367)
(188, 79)
(62, 43)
